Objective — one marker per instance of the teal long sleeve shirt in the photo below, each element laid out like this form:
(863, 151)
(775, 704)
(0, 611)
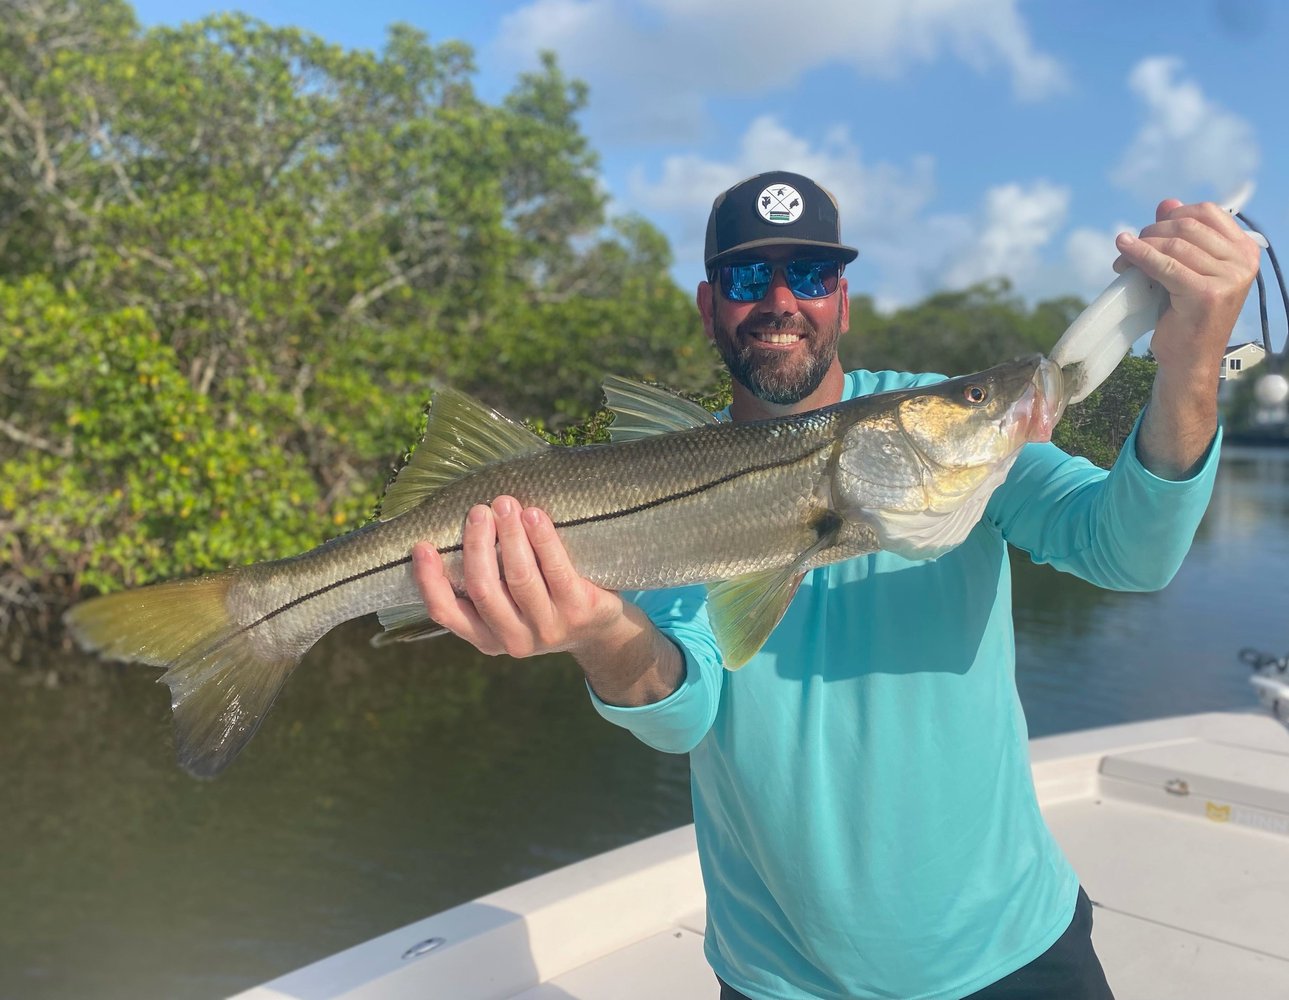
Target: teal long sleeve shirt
(865, 813)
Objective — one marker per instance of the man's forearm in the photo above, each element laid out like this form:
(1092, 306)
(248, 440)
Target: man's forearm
(631, 664)
(1179, 423)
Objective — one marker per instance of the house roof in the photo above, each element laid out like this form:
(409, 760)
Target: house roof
(1239, 347)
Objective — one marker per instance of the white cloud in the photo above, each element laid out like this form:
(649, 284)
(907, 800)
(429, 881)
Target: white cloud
(647, 60)
(1089, 256)
(908, 249)
(1017, 223)
(1188, 145)
(880, 203)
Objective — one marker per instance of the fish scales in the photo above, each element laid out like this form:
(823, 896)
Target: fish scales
(704, 504)
(743, 507)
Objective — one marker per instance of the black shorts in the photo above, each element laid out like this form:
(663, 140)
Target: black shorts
(1069, 970)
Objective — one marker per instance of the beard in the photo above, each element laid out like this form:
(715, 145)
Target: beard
(768, 374)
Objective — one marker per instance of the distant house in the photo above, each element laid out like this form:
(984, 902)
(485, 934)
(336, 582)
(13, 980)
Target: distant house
(1239, 358)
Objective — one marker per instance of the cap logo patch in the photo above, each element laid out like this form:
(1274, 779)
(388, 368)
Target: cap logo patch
(780, 204)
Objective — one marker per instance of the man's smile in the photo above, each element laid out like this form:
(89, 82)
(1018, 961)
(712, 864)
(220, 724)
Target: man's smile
(776, 338)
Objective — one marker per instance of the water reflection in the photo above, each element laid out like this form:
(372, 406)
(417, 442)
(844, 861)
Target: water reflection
(1087, 657)
(389, 784)
(382, 787)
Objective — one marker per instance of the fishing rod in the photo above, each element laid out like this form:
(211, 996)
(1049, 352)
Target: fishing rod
(1270, 676)
(1272, 389)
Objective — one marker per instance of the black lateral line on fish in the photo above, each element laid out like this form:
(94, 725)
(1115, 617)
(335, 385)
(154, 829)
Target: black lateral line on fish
(353, 578)
(572, 523)
(682, 495)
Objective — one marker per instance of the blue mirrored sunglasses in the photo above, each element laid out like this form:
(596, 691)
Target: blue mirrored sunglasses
(808, 278)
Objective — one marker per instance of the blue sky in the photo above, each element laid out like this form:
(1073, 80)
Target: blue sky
(963, 138)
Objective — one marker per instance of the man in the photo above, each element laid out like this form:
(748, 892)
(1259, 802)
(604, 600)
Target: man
(866, 820)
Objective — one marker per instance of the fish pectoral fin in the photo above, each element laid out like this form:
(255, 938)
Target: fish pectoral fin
(641, 410)
(405, 623)
(462, 435)
(745, 610)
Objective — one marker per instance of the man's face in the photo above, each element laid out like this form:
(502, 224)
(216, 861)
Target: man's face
(780, 347)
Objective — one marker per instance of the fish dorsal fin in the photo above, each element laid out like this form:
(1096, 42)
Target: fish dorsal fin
(641, 410)
(462, 434)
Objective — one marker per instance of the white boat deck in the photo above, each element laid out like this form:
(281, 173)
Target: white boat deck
(1184, 847)
(1179, 830)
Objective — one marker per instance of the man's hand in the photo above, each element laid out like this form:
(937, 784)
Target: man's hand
(532, 600)
(1206, 263)
(541, 606)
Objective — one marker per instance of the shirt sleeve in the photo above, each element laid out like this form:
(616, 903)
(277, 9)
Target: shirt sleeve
(679, 722)
(1126, 529)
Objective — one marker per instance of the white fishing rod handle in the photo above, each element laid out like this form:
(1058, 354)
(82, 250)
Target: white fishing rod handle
(1105, 331)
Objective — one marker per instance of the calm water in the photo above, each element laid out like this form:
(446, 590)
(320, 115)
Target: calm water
(390, 784)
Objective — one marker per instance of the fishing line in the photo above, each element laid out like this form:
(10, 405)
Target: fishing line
(1277, 361)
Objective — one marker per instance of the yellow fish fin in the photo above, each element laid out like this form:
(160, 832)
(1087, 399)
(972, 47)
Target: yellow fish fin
(462, 435)
(745, 610)
(221, 679)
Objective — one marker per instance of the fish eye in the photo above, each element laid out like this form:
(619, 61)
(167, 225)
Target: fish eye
(976, 394)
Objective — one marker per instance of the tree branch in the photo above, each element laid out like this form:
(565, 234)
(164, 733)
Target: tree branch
(19, 436)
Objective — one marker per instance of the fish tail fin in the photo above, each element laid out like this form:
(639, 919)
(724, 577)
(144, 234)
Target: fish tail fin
(222, 677)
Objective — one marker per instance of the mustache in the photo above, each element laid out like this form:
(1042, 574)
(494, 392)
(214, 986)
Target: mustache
(778, 324)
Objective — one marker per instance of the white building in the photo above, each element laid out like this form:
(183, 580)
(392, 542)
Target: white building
(1239, 358)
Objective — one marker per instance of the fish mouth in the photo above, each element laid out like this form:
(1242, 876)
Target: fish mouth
(1034, 414)
(1046, 399)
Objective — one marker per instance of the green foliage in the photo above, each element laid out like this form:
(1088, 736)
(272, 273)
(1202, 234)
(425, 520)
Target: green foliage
(235, 260)
(1097, 427)
(954, 332)
(132, 478)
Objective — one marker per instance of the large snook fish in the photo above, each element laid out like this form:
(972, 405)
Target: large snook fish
(676, 498)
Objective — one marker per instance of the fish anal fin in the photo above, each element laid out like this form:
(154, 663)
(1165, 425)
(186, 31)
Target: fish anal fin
(408, 633)
(405, 623)
(641, 410)
(745, 610)
(461, 435)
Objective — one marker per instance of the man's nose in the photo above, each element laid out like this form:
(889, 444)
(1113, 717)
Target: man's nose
(779, 298)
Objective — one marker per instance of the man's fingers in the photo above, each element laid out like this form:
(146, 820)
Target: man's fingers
(523, 578)
(1189, 233)
(534, 601)
(1166, 208)
(1156, 264)
(441, 602)
(562, 579)
(483, 584)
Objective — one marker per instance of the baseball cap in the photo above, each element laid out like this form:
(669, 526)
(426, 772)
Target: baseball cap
(773, 209)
